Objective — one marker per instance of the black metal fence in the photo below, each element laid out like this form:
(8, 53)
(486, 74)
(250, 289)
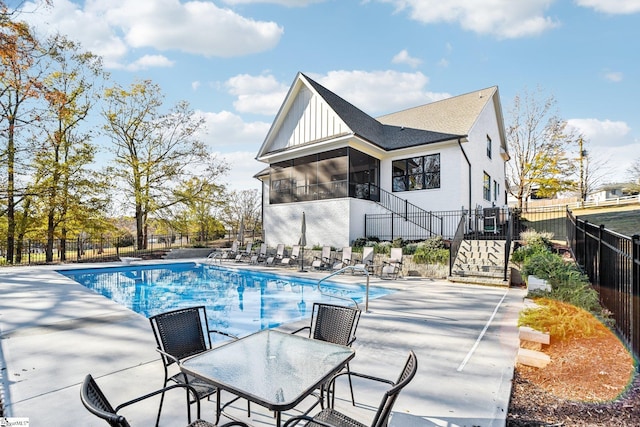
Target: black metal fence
(481, 223)
(612, 262)
(94, 249)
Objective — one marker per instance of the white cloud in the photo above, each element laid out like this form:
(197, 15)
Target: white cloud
(150, 61)
(288, 3)
(611, 142)
(403, 57)
(614, 76)
(503, 18)
(257, 94)
(110, 28)
(380, 92)
(195, 85)
(613, 7)
(225, 129)
(242, 167)
(602, 132)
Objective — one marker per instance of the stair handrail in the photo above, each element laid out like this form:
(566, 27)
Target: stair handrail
(342, 270)
(454, 247)
(405, 209)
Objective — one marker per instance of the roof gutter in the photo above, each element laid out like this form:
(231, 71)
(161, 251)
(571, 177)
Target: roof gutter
(469, 164)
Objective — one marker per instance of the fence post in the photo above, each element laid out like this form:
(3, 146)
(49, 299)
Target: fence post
(599, 257)
(365, 226)
(635, 292)
(392, 221)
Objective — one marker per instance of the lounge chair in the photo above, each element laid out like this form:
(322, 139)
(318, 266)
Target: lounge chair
(261, 256)
(345, 260)
(96, 402)
(367, 260)
(330, 417)
(230, 253)
(246, 253)
(277, 257)
(393, 266)
(324, 260)
(292, 259)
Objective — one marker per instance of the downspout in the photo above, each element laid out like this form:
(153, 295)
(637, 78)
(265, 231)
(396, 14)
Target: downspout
(469, 177)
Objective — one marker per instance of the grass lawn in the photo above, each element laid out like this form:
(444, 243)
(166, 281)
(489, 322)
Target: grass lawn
(624, 220)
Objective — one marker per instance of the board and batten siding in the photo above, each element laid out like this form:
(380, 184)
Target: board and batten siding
(308, 119)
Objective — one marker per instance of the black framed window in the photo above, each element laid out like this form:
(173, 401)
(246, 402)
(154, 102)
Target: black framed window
(488, 146)
(416, 173)
(486, 187)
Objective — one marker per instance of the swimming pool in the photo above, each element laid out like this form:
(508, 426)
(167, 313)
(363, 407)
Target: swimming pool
(238, 301)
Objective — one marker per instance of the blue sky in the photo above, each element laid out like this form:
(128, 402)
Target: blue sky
(234, 60)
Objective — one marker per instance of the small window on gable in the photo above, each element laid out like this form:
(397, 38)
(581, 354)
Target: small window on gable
(488, 146)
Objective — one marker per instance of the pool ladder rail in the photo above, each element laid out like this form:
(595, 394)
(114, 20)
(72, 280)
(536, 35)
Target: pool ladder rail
(342, 270)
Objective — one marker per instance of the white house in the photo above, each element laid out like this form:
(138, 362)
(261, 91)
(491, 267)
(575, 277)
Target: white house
(336, 163)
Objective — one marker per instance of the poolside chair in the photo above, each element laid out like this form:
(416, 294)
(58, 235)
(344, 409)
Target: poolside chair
(261, 256)
(278, 256)
(179, 334)
(367, 259)
(246, 253)
(96, 402)
(293, 256)
(330, 417)
(333, 323)
(324, 260)
(345, 260)
(393, 266)
(231, 253)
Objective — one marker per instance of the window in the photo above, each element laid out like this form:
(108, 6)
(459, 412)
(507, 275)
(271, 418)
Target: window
(344, 172)
(488, 146)
(416, 173)
(496, 190)
(486, 187)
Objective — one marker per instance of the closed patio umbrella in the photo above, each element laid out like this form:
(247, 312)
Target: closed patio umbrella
(241, 232)
(303, 240)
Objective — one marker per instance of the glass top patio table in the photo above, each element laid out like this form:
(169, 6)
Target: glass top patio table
(274, 369)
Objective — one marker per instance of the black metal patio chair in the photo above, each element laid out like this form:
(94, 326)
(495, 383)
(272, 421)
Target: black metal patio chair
(179, 334)
(335, 324)
(330, 417)
(95, 401)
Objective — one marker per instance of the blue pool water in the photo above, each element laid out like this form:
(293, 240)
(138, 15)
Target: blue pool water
(238, 301)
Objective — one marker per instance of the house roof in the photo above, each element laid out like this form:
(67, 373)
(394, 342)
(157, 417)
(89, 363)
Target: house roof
(457, 114)
(372, 130)
(447, 120)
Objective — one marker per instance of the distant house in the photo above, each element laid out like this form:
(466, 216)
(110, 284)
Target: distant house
(336, 163)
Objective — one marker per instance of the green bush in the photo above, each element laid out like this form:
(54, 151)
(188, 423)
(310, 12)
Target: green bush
(568, 283)
(431, 251)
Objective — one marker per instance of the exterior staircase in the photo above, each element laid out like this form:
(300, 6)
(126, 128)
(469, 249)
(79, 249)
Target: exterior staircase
(480, 262)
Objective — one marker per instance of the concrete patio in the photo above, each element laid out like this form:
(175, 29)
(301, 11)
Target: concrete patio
(54, 331)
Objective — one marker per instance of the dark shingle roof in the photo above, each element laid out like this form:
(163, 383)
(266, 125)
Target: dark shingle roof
(385, 136)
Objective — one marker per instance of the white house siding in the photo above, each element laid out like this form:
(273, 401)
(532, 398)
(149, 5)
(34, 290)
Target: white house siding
(476, 149)
(308, 119)
(453, 191)
(327, 222)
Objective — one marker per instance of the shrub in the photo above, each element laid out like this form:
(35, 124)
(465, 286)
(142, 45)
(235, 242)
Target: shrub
(561, 320)
(568, 283)
(431, 251)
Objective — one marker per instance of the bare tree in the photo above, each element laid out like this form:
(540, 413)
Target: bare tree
(244, 207)
(154, 152)
(538, 141)
(634, 175)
